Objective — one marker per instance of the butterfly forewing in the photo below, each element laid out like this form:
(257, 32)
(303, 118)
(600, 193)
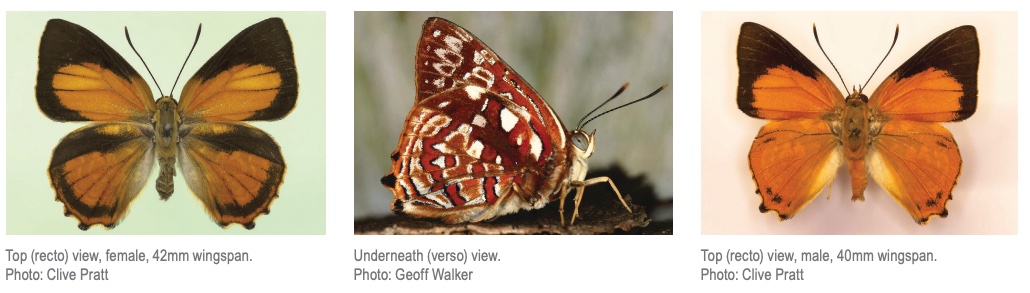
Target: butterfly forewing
(479, 142)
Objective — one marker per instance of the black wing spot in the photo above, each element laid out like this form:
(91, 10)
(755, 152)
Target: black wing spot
(939, 194)
(931, 203)
(944, 214)
(397, 207)
(768, 190)
(389, 180)
(777, 199)
(941, 144)
(395, 156)
(767, 140)
(762, 208)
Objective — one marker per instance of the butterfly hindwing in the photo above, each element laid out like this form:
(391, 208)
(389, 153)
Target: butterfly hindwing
(253, 77)
(918, 164)
(233, 168)
(777, 82)
(81, 78)
(791, 162)
(98, 170)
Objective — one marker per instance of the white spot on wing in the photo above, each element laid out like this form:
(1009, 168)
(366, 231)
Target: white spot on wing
(440, 147)
(479, 120)
(436, 33)
(535, 146)
(444, 104)
(477, 58)
(439, 162)
(508, 120)
(476, 149)
(475, 92)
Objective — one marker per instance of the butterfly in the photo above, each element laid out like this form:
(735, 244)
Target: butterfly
(233, 168)
(480, 142)
(894, 136)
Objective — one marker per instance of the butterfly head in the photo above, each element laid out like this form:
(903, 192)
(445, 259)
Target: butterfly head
(581, 150)
(583, 143)
(857, 95)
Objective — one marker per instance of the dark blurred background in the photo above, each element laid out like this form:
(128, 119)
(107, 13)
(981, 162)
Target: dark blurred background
(575, 60)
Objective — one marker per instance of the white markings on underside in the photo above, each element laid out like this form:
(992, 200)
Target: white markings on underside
(454, 43)
(535, 145)
(475, 92)
(440, 199)
(436, 33)
(497, 160)
(444, 104)
(489, 59)
(479, 120)
(464, 129)
(442, 147)
(439, 162)
(482, 74)
(475, 149)
(439, 82)
(508, 120)
(478, 58)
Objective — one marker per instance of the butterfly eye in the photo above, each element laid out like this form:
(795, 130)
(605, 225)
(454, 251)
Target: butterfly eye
(580, 140)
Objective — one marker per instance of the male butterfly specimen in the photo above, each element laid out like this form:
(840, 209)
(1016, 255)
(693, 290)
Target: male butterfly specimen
(480, 142)
(233, 168)
(895, 134)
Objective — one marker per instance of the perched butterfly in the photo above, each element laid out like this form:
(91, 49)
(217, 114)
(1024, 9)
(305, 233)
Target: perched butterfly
(232, 167)
(895, 134)
(480, 142)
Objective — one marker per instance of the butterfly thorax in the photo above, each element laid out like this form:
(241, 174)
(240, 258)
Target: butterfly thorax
(855, 126)
(166, 127)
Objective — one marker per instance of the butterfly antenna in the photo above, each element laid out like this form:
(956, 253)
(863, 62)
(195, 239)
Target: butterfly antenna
(617, 93)
(626, 104)
(195, 41)
(144, 62)
(896, 29)
(828, 57)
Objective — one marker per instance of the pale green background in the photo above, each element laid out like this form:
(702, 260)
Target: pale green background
(575, 60)
(164, 39)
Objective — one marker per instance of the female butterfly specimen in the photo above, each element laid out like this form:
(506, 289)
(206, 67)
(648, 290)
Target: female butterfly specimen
(232, 167)
(480, 142)
(895, 134)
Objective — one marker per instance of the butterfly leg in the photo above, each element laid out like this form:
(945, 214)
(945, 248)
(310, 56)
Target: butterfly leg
(561, 203)
(579, 193)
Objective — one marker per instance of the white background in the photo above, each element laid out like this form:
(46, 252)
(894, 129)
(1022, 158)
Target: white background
(533, 263)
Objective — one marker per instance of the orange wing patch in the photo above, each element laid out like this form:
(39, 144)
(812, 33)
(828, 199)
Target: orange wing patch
(98, 170)
(930, 96)
(792, 161)
(98, 94)
(234, 169)
(233, 95)
(784, 93)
